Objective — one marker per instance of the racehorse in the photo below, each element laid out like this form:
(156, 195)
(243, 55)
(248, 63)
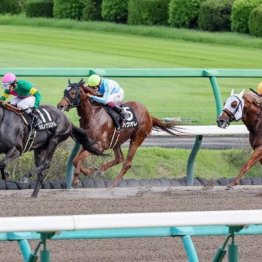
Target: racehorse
(15, 135)
(100, 128)
(248, 108)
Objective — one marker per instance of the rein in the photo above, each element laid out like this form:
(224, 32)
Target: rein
(12, 108)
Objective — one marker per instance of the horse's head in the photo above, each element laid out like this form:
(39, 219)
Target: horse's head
(71, 96)
(232, 111)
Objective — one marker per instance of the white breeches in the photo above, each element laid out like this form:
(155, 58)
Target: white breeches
(115, 98)
(23, 103)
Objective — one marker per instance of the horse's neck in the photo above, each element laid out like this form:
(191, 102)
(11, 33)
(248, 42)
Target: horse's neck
(90, 114)
(252, 116)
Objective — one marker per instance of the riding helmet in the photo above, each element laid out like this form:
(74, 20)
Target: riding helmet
(8, 79)
(94, 80)
(259, 88)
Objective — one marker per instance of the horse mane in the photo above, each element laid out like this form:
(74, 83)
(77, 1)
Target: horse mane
(253, 98)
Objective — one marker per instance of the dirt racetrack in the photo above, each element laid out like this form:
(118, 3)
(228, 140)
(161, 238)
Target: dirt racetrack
(125, 200)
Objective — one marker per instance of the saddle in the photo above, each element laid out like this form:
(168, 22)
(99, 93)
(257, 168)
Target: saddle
(131, 120)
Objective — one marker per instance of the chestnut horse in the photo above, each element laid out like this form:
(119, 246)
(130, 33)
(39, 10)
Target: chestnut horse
(100, 128)
(248, 108)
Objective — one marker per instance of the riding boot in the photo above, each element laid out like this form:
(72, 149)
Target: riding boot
(121, 112)
(35, 120)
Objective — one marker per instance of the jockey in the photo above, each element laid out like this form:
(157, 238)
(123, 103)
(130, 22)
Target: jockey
(112, 94)
(259, 88)
(26, 96)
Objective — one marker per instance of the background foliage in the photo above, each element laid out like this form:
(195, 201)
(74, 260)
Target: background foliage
(154, 12)
(240, 14)
(215, 15)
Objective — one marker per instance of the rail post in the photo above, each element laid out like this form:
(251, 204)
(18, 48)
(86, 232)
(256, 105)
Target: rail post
(70, 167)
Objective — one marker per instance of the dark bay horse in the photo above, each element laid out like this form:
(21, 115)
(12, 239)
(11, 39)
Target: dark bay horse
(14, 135)
(248, 108)
(100, 128)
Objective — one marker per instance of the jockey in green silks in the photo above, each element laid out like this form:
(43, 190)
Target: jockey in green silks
(26, 96)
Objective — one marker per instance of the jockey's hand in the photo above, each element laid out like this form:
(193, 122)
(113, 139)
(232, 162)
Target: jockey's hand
(33, 110)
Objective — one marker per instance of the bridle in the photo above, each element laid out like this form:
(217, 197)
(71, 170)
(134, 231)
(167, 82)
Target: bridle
(232, 115)
(73, 101)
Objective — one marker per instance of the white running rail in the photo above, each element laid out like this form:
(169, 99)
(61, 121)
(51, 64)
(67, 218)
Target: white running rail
(130, 220)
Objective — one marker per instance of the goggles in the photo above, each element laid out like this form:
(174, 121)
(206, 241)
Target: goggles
(94, 87)
(6, 85)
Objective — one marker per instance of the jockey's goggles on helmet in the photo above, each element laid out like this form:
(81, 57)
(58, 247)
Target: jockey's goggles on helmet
(94, 87)
(6, 85)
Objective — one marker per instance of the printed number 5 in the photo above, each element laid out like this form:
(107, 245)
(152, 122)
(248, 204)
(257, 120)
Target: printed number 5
(129, 113)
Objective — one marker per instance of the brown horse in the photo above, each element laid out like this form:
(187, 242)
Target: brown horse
(247, 107)
(100, 128)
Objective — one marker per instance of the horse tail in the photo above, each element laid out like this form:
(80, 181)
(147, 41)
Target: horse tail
(168, 127)
(80, 136)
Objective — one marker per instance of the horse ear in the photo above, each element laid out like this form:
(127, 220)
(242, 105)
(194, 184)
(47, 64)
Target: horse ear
(232, 92)
(82, 81)
(69, 82)
(242, 93)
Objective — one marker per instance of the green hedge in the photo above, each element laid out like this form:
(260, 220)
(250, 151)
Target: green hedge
(255, 21)
(114, 10)
(92, 10)
(184, 13)
(11, 6)
(39, 8)
(154, 12)
(240, 14)
(68, 9)
(215, 15)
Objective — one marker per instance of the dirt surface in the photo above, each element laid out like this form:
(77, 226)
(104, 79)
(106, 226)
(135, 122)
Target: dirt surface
(125, 200)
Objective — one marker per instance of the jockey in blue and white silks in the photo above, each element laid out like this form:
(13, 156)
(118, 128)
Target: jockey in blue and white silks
(111, 91)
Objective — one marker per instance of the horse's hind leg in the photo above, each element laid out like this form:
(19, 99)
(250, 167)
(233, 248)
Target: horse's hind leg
(119, 157)
(43, 158)
(134, 144)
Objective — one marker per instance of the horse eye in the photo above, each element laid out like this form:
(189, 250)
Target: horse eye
(72, 93)
(234, 104)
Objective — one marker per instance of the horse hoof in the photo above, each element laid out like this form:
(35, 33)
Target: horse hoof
(229, 187)
(5, 175)
(99, 173)
(24, 180)
(75, 184)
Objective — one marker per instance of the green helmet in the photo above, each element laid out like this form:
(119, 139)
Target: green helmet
(94, 80)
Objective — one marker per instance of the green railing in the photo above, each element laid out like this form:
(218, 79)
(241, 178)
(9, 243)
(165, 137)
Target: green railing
(212, 74)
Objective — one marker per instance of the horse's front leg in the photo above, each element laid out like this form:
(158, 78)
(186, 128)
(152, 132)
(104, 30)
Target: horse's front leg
(78, 164)
(11, 154)
(255, 157)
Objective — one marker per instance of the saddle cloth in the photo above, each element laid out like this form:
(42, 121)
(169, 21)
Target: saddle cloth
(46, 121)
(131, 120)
